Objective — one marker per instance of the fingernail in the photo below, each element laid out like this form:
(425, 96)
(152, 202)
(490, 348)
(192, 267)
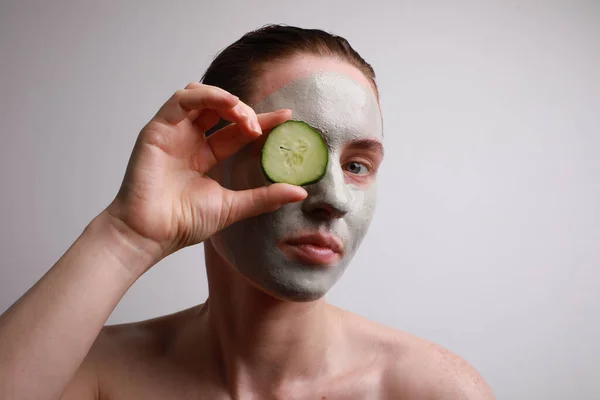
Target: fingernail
(256, 127)
(300, 192)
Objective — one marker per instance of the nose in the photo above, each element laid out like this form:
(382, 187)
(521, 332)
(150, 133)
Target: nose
(329, 198)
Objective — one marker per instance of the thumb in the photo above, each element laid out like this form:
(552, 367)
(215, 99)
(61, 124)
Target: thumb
(252, 202)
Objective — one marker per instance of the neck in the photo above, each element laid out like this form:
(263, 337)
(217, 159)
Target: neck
(260, 338)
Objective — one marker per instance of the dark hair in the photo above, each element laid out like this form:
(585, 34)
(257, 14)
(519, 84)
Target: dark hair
(235, 68)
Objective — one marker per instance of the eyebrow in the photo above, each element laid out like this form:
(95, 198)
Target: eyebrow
(368, 144)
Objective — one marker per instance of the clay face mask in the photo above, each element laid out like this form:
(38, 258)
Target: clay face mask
(344, 112)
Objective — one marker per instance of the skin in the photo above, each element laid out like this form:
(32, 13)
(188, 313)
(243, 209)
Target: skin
(342, 203)
(243, 342)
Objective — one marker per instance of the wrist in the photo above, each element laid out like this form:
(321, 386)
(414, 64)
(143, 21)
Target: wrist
(134, 253)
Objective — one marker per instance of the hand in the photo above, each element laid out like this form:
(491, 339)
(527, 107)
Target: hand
(166, 198)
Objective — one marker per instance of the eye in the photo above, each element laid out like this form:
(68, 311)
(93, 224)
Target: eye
(356, 168)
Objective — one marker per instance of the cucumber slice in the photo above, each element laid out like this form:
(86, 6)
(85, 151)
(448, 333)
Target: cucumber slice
(294, 153)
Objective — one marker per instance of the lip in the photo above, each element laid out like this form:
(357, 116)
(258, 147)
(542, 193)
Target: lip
(313, 248)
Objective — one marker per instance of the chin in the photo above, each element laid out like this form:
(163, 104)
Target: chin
(293, 281)
(295, 294)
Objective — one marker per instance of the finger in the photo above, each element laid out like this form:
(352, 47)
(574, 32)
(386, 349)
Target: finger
(238, 114)
(250, 203)
(193, 85)
(251, 125)
(194, 113)
(184, 101)
(206, 119)
(227, 141)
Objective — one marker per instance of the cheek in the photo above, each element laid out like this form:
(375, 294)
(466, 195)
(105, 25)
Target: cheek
(363, 192)
(362, 182)
(363, 204)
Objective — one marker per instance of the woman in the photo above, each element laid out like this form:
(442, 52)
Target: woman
(272, 251)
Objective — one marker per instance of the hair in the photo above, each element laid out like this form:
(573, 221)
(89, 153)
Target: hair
(235, 68)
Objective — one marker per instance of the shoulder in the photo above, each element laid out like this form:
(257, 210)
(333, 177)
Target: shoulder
(413, 367)
(429, 369)
(144, 339)
(120, 350)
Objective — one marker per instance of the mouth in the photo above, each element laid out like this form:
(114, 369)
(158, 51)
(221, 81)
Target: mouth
(313, 248)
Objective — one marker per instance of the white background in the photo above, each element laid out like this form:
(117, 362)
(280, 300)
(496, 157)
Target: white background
(487, 235)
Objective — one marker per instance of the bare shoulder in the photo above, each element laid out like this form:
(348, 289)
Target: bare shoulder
(148, 338)
(422, 367)
(412, 367)
(120, 349)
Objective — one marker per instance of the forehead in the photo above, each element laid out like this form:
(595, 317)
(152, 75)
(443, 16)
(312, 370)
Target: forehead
(334, 101)
(277, 74)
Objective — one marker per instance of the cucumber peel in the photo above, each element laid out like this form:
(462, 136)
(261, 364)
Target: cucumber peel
(294, 153)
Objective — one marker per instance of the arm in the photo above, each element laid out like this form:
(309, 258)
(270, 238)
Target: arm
(166, 202)
(47, 333)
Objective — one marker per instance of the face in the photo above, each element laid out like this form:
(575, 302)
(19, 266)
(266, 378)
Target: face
(300, 251)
